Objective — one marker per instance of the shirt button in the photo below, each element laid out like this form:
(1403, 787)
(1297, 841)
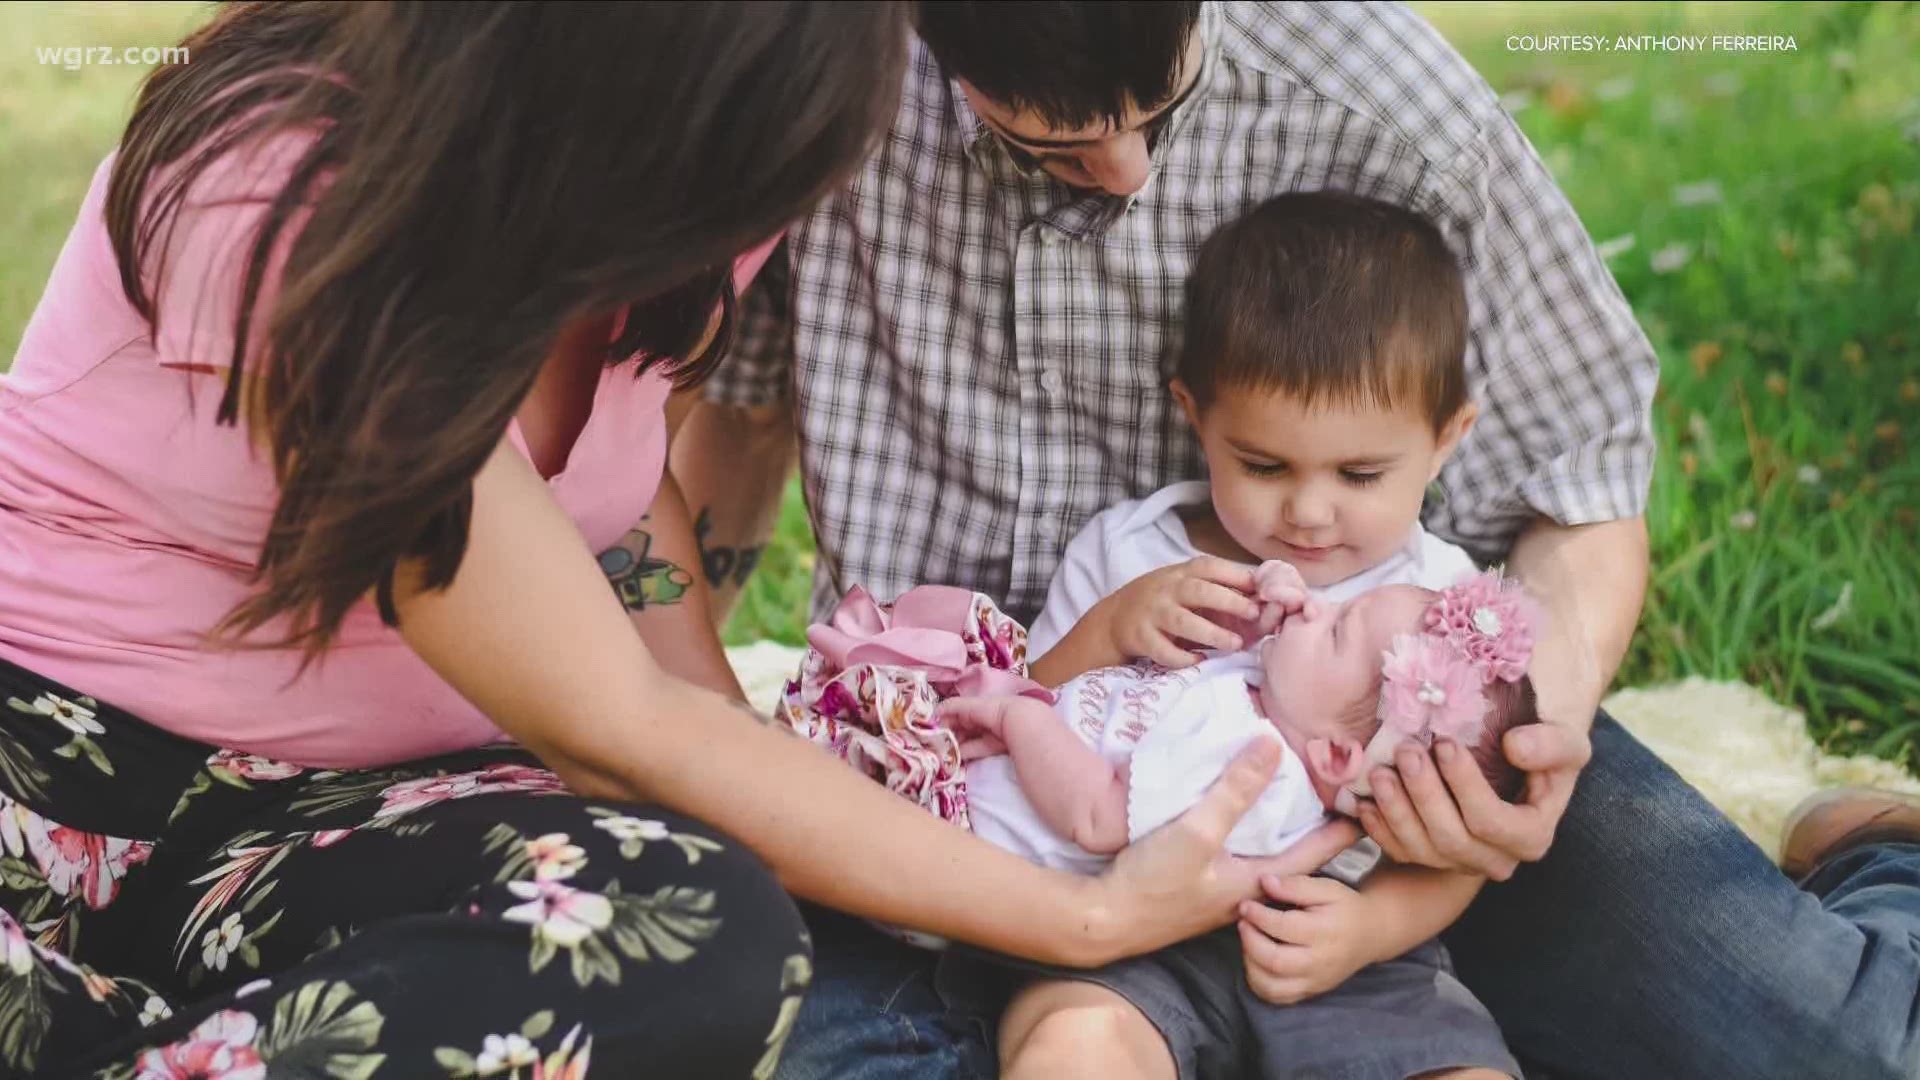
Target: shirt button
(1050, 381)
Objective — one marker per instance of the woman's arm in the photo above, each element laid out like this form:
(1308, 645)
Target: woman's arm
(529, 632)
(660, 583)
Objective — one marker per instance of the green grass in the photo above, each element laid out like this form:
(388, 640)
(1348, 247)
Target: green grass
(55, 124)
(1789, 335)
(1789, 339)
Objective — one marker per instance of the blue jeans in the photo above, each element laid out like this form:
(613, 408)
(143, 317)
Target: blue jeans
(1654, 940)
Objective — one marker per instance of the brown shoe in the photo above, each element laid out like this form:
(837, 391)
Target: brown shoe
(1828, 823)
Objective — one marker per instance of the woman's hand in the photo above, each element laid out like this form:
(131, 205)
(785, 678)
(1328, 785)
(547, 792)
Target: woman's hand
(1154, 613)
(1180, 881)
(1309, 947)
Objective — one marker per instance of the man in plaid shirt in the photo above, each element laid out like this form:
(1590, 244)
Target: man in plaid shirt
(975, 339)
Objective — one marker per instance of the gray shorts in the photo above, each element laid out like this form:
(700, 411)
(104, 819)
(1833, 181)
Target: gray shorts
(1389, 1021)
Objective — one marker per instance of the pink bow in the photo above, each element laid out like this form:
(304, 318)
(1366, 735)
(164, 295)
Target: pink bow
(924, 630)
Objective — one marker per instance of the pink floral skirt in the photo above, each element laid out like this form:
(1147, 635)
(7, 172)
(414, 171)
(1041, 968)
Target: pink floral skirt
(869, 685)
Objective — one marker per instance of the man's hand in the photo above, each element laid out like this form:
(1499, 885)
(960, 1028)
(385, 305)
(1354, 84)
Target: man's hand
(1438, 810)
(1155, 613)
(1435, 809)
(1309, 947)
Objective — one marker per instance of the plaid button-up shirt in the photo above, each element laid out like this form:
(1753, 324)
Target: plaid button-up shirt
(979, 353)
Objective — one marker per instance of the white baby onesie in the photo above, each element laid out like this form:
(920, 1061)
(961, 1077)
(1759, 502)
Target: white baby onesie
(1180, 729)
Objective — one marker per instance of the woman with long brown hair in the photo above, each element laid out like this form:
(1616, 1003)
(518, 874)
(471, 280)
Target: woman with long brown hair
(325, 748)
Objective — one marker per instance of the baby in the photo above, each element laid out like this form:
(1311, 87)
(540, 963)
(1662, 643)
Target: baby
(1124, 750)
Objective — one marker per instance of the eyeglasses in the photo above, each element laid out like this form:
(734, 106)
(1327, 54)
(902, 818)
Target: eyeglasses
(1029, 157)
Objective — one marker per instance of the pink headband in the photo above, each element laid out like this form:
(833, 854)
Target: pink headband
(1434, 683)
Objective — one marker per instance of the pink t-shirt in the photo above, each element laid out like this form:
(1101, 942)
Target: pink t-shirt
(130, 521)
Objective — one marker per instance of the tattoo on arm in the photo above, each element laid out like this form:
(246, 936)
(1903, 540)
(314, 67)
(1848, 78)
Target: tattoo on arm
(723, 563)
(640, 580)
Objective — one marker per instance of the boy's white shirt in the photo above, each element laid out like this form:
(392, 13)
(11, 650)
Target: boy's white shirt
(1136, 537)
(1178, 729)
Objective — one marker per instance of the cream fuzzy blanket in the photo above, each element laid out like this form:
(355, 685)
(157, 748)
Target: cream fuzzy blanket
(1750, 756)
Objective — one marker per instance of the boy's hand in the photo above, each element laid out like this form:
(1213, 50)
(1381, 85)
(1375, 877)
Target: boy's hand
(1160, 615)
(1308, 949)
(979, 723)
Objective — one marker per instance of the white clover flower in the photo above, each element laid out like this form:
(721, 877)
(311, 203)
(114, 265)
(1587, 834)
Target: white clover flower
(1838, 611)
(1611, 249)
(1615, 88)
(1698, 193)
(1671, 258)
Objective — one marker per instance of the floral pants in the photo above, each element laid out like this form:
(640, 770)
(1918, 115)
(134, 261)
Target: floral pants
(169, 909)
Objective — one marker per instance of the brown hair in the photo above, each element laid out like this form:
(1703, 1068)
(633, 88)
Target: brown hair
(480, 176)
(1509, 705)
(1075, 62)
(1328, 297)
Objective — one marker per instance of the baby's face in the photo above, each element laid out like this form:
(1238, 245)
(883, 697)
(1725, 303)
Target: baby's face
(1328, 656)
(1333, 489)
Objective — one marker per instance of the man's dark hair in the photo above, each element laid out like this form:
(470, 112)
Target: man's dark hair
(1073, 62)
(1329, 298)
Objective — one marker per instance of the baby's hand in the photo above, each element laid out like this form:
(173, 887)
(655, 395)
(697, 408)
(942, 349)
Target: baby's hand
(1164, 614)
(1282, 592)
(979, 722)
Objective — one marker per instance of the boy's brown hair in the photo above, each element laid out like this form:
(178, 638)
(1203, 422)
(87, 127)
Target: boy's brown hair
(1329, 297)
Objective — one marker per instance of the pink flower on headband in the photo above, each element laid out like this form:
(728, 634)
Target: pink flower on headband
(1430, 691)
(1490, 621)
